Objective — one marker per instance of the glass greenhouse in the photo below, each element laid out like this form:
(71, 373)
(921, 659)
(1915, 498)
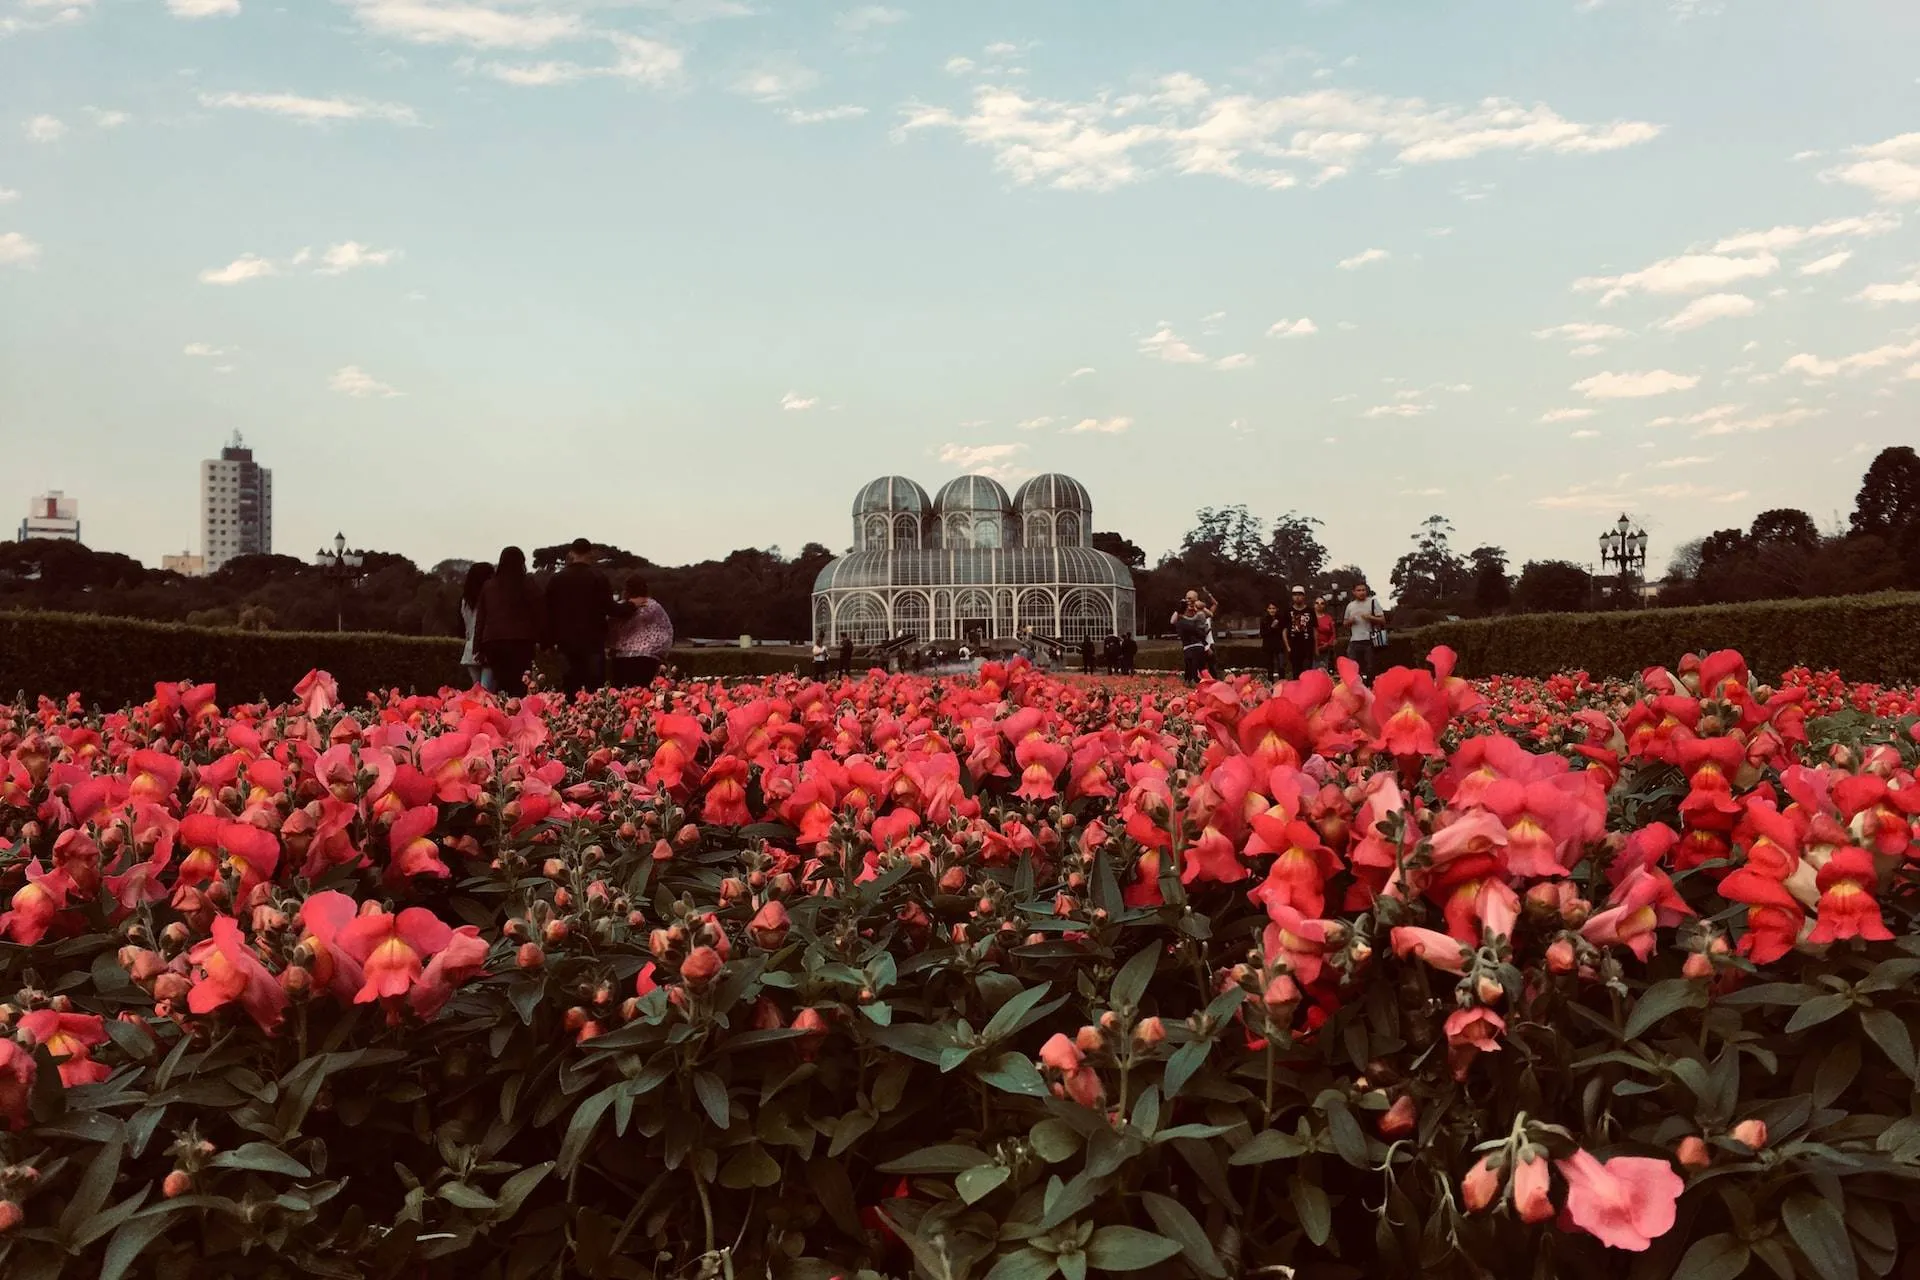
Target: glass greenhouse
(972, 564)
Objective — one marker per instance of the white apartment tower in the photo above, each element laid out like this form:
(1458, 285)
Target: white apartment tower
(236, 506)
(52, 515)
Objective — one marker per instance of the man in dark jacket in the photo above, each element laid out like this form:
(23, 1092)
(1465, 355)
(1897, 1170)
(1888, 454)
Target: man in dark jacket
(1272, 641)
(579, 603)
(846, 657)
(1300, 633)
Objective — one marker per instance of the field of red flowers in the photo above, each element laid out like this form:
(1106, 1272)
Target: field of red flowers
(1007, 977)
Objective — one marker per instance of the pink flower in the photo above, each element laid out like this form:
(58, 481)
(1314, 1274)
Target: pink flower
(1440, 950)
(318, 693)
(1471, 1032)
(1626, 1202)
(1531, 1182)
(229, 971)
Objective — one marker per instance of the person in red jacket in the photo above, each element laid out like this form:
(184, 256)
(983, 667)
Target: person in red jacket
(1322, 633)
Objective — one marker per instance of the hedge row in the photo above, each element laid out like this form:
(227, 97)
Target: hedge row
(113, 661)
(1875, 638)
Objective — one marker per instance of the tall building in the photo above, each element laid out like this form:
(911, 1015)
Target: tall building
(236, 506)
(52, 515)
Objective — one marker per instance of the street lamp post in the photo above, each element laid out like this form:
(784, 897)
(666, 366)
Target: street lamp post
(343, 567)
(1624, 548)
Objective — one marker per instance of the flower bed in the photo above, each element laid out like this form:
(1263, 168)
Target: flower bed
(1008, 977)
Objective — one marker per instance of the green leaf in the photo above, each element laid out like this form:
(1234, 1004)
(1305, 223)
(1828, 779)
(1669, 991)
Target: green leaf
(1015, 1073)
(1892, 975)
(1893, 1037)
(1721, 1257)
(1054, 1140)
(580, 1129)
(462, 1196)
(1821, 1234)
(1131, 982)
(95, 1186)
(101, 1223)
(1186, 1060)
(1311, 1205)
(131, 1240)
(1348, 1138)
(1836, 1072)
(1661, 999)
(260, 1158)
(1017, 1013)
(1818, 1010)
(515, 1190)
(1268, 1145)
(1780, 993)
(981, 1181)
(1146, 1111)
(1128, 1249)
(1026, 1264)
(751, 1166)
(950, 1158)
(712, 1093)
(1177, 1224)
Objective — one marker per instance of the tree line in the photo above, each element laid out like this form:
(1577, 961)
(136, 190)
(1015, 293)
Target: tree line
(1244, 560)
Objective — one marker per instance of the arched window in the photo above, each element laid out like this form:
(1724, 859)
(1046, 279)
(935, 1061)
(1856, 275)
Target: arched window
(1085, 614)
(986, 532)
(910, 615)
(823, 620)
(1039, 613)
(973, 615)
(906, 532)
(876, 536)
(1039, 531)
(1066, 530)
(959, 530)
(862, 616)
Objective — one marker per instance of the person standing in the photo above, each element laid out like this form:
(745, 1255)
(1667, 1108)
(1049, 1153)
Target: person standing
(579, 606)
(1363, 619)
(1300, 630)
(1129, 650)
(819, 658)
(511, 619)
(1273, 646)
(1086, 655)
(638, 643)
(1191, 628)
(1323, 632)
(478, 575)
(846, 657)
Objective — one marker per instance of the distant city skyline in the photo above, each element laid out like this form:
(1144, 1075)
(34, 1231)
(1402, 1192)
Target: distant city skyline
(678, 275)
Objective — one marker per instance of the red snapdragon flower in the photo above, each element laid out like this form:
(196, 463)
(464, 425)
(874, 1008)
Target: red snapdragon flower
(1626, 1202)
(227, 972)
(72, 1036)
(35, 904)
(1847, 907)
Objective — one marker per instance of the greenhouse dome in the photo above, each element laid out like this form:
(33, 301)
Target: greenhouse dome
(973, 565)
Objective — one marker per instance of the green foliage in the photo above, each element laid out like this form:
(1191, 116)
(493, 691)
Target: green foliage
(1875, 638)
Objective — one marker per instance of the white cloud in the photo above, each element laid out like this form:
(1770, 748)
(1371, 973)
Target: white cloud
(16, 250)
(1585, 433)
(1689, 460)
(1704, 311)
(1034, 424)
(1890, 170)
(1183, 125)
(1906, 291)
(1688, 273)
(351, 381)
(958, 65)
(246, 267)
(1634, 386)
(1878, 358)
(1167, 345)
(1581, 331)
(867, 17)
(775, 83)
(1774, 239)
(446, 22)
(45, 129)
(1082, 372)
(203, 8)
(1301, 328)
(1715, 414)
(650, 62)
(1587, 349)
(1727, 425)
(969, 456)
(203, 349)
(1581, 498)
(1238, 360)
(342, 258)
(1403, 409)
(1363, 259)
(8, 195)
(106, 119)
(795, 402)
(1100, 426)
(1832, 262)
(308, 110)
(824, 115)
(1566, 415)
(536, 75)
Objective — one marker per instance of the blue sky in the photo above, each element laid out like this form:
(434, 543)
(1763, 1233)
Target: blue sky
(682, 274)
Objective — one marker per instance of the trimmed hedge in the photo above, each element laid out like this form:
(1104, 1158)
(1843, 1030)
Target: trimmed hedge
(112, 661)
(1875, 638)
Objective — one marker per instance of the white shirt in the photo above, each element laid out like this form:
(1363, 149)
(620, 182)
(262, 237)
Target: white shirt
(1363, 616)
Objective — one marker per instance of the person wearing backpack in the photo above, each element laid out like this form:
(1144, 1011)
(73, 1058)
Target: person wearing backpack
(1366, 628)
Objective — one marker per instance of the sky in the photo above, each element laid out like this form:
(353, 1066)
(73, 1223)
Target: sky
(681, 275)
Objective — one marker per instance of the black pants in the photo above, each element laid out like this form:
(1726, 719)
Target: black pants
(820, 669)
(510, 660)
(1273, 653)
(586, 669)
(1192, 658)
(632, 671)
(1300, 657)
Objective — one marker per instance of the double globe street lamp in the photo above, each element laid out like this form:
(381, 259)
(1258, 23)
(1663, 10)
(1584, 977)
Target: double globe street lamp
(343, 567)
(1623, 548)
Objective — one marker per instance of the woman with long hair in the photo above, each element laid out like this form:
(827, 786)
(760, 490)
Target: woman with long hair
(478, 575)
(510, 624)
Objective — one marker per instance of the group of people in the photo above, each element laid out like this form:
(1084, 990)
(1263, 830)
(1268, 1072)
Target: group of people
(821, 655)
(601, 637)
(1118, 653)
(1305, 637)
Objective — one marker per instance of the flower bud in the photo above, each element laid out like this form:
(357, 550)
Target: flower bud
(1488, 990)
(530, 956)
(1480, 1186)
(1089, 1040)
(769, 926)
(1531, 1182)
(1149, 1032)
(11, 1215)
(1693, 1153)
(1560, 956)
(555, 932)
(1751, 1132)
(1697, 965)
(171, 986)
(177, 1184)
(700, 966)
(1401, 1118)
(295, 980)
